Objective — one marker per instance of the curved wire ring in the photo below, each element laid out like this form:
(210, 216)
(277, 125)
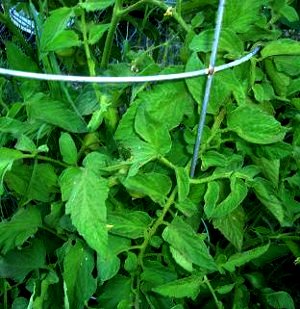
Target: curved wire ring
(125, 79)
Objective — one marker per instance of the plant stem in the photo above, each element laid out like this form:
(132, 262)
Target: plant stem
(116, 16)
(44, 158)
(157, 223)
(210, 178)
(218, 303)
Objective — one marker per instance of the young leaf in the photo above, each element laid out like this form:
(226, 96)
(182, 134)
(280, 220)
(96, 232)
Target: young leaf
(242, 258)
(68, 148)
(16, 264)
(129, 224)
(131, 262)
(182, 237)
(183, 183)
(25, 144)
(78, 265)
(54, 36)
(255, 126)
(22, 225)
(155, 185)
(95, 5)
(95, 32)
(185, 287)
(55, 112)
(87, 208)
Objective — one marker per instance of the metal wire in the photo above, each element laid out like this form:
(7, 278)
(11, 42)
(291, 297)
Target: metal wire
(124, 79)
(210, 76)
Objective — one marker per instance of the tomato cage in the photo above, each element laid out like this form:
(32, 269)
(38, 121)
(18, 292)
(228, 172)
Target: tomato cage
(27, 24)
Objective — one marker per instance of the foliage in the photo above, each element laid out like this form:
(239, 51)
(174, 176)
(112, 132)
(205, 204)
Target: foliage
(97, 206)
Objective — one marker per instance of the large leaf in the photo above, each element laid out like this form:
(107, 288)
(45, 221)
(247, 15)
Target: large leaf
(183, 183)
(242, 258)
(185, 287)
(240, 15)
(232, 226)
(16, 264)
(281, 47)
(78, 265)
(255, 126)
(184, 239)
(109, 264)
(229, 42)
(55, 112)
(116, 290)
(87, 208)
(278, 300)
(54, 36)
(36, 182)
(152, 131)
(131, 224)
(231, 202)
(266, 194)
(22, 225)
(155, 185)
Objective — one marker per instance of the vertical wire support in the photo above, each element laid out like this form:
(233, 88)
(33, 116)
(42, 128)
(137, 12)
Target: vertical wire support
(208, 86)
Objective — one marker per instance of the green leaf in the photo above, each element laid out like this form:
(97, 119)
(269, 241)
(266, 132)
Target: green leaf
(25, 144)
(188, 243)
(187, 207)
(54, 36)
(270, 169)
(7, 158)
(55, 112)
(95, 32)
(36, 182)
(183, 183)
(116, 290)
(278, 300)
(131, 224)
(267, 196)
(22, 225)
(68, 148)
(108, 264)
(95, 5)
(78, 265)
(87, 208)
(229, 42)
(18, 60)
(289, 65)
(240, 259)
(131, 262)
(152, 131)
(185, 287)
(240, 15)
(13, 126)
(281, 47)
(255, 126)
(232, 227)
(289, 13)
(211, 197)
(66, 181)
(231, 202)
(155, 185)
(154, 274)
(181, 260)
(17, 264)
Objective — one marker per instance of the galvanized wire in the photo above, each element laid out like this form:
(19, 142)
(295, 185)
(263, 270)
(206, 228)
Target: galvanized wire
(211, 71)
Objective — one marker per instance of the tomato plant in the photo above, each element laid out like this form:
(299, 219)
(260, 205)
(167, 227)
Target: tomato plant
(97, 206)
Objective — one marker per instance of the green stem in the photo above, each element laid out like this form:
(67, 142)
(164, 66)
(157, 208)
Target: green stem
(212, 291)
(116, 16)
(157, 223)
(210, 178)
(44, 158)
(167, 163)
